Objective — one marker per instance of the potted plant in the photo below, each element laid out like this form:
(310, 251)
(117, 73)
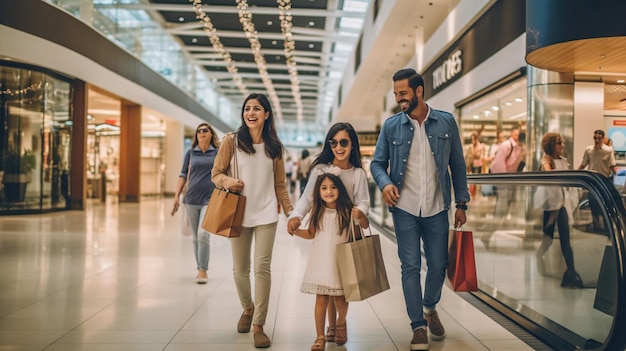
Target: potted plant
(17, 170)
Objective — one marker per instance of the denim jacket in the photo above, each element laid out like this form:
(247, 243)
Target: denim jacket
(393, 146)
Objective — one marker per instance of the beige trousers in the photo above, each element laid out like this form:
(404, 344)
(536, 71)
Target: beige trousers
(263, 246)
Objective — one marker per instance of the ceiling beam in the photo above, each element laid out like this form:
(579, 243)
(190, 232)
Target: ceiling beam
(209, 9)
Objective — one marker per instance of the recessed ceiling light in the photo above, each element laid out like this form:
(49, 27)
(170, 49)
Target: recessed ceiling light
(518, 99)
(311, 46)
(620, 81)
(311, 23)
(274, 42)
(475, 116)
(181, 19)
(194, 40)
(269, 23)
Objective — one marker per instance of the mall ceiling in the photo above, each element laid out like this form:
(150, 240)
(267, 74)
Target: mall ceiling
(239, 61)
(288, 50)
(306, 76)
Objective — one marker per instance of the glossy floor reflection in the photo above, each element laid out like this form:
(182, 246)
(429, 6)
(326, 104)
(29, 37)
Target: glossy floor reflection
(121, 277)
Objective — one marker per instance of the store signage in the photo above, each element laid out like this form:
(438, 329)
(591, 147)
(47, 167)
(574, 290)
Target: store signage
(448, 69)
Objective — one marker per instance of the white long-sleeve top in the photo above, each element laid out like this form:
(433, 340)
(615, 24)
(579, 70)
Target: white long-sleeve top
(355, 181)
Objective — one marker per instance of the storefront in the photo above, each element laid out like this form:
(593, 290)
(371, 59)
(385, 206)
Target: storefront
(35, 138)
(40, 119)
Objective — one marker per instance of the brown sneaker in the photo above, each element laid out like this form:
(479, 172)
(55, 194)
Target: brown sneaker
(420, 339)
(437, 332)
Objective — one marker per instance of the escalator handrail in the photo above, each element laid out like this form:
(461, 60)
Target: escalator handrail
(612, 204)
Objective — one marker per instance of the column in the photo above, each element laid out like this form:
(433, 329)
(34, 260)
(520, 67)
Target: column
(78, 167)
(550, 109)
(174, 151)
(130, 152)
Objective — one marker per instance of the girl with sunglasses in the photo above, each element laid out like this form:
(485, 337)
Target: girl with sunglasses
(341, 150)
(195, 177)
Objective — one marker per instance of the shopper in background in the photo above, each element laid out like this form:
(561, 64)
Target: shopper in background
(418, 155)
(261, 171)
(197, 166)
(304, 165)
(555, 211)
(494, 148)
(289, 166)
(510, 155)
(475, 154)
(598, 158)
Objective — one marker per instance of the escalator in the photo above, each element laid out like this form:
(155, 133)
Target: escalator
(526, 274)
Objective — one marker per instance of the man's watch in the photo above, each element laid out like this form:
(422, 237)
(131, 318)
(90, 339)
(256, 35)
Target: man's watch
(461, 207)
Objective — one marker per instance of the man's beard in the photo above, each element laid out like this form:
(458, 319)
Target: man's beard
(412, 105)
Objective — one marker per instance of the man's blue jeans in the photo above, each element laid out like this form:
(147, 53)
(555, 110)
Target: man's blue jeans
(433, 231)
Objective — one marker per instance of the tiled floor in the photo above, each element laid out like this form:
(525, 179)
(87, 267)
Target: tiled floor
(121, 277)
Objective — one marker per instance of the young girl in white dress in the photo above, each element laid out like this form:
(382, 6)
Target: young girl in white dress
(330, 219)
(342, 154)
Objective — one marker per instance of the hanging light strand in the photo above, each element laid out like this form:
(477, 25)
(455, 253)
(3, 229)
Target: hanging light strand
(211, 32)
(289, 47)
(245, 17)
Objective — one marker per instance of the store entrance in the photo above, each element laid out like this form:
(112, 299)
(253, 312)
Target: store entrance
(103, 146)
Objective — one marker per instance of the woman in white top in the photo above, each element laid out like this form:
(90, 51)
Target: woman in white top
(260, 164)
(341, 150)
(555, 212)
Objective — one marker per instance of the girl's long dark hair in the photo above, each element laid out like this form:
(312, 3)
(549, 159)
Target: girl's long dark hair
(344, 204)
(326, 156)
(273, 146)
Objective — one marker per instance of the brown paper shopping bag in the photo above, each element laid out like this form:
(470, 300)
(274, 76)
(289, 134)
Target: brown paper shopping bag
(224, 213)
(361, 267)
(461, 262)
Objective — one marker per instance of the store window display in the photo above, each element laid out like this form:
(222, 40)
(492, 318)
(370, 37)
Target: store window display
(35, 140)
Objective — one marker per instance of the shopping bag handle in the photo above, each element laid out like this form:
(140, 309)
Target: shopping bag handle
(352, 235)
(228, 191)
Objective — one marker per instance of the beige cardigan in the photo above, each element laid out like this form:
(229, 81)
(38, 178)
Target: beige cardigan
(221, 179)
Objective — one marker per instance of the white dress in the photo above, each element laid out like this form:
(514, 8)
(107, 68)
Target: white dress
(322, 273)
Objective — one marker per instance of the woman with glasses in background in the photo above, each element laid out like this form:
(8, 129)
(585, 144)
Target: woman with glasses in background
(341, 150)
(195, 183)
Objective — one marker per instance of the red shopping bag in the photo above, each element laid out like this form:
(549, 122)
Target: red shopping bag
(461, 262)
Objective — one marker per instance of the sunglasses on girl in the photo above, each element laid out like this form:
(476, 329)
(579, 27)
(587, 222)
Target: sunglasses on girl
(203, 130)
(343, 142)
